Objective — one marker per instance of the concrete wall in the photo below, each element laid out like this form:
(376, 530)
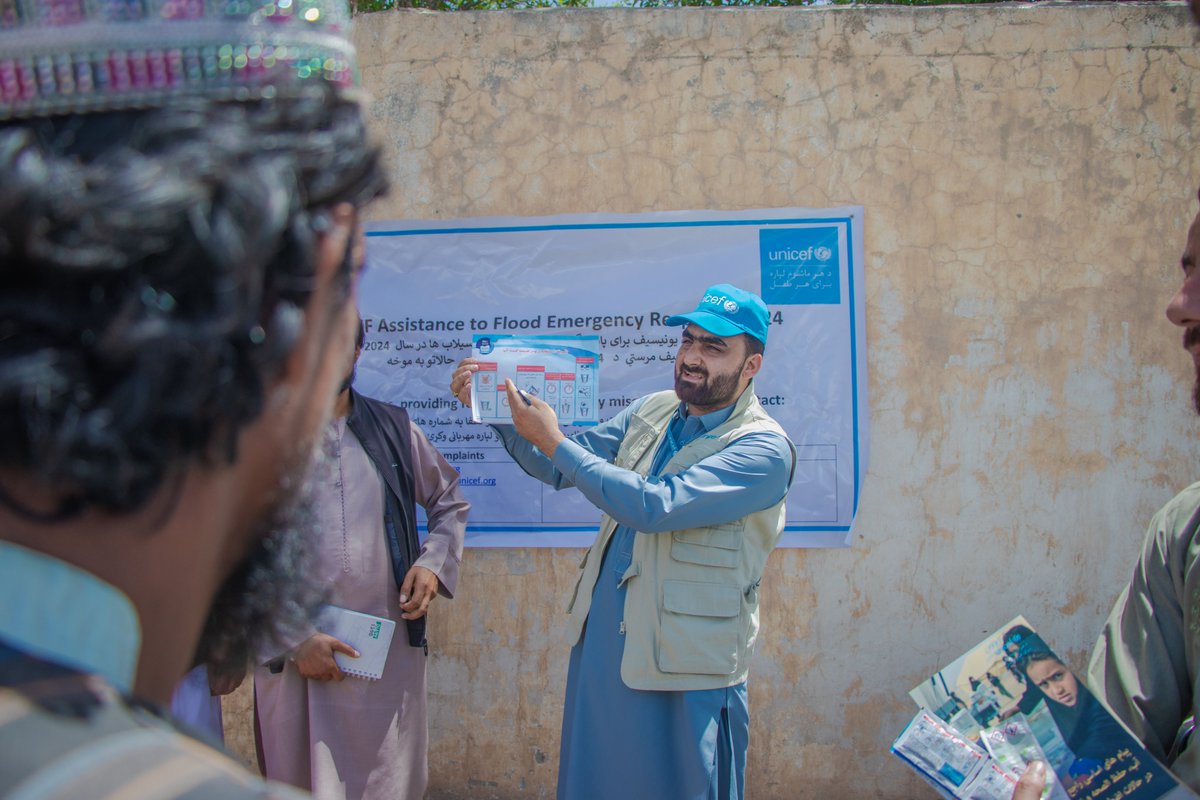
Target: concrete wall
(1028, 180)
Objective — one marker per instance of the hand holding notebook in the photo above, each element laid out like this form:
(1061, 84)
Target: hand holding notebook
(371, 636)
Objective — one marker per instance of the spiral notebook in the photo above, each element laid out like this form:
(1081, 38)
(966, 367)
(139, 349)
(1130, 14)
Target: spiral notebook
(371, 636)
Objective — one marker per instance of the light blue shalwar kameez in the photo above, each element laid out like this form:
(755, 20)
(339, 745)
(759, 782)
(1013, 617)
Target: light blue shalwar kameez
(625, 744)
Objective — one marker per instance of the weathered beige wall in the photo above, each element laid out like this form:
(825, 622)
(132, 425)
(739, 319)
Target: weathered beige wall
(1027, 178)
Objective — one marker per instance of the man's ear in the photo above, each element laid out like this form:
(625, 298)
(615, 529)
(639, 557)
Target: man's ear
(752, 366)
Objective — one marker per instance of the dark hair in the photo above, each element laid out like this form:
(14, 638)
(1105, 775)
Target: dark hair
(1024, 639)
(154, 268)
(1028, 657)
(754, 347)
(1016, 633)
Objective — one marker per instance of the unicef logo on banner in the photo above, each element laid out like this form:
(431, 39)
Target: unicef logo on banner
(800, 266)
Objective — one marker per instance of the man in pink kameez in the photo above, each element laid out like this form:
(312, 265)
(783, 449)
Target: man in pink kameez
(343, 737)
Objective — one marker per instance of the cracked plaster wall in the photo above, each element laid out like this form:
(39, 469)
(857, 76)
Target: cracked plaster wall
(1027, 175)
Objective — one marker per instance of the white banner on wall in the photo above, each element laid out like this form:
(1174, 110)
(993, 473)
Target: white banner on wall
(431, 286)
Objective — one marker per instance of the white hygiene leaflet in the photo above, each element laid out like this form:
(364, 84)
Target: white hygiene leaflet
(563, 371)
(370, 635)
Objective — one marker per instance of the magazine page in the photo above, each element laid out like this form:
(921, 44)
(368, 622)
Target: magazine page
(1018, 700)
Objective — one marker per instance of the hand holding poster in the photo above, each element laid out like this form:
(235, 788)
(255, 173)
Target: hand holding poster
(433, 287)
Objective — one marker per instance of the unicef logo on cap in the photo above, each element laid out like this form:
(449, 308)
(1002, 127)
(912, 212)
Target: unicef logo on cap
(823, 254)
(721, 301)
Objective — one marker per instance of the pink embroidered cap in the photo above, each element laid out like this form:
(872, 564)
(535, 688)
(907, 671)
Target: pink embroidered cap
(80, 56)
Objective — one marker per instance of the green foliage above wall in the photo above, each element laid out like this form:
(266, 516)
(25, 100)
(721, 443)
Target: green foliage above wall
(499, 5)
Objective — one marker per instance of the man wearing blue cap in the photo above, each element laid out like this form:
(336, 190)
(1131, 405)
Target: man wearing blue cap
(691, 485)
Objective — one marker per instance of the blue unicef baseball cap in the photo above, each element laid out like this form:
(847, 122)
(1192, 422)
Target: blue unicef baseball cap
(727, 311)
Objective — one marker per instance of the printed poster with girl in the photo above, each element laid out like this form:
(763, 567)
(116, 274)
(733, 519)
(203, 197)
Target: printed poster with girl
(1010, 700)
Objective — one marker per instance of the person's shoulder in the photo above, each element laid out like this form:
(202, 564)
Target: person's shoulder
(758, 412)
(377, 404)
(665, 396)
(1181, 511)
(1173, 534)
(1188, 498)
(70, 735)
(371, 413)
(664, 402)
(761, 427)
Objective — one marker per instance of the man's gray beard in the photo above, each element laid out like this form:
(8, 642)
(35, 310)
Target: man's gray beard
(271, 597)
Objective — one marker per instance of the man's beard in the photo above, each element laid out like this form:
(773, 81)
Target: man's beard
(1191, 337)
(717, 391)
(270, 597)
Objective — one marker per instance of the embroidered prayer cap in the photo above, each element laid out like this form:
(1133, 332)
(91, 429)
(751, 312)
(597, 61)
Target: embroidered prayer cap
(726, 310)
(82, 56)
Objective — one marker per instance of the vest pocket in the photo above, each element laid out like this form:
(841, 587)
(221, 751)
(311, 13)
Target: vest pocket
(718, 546)
(698, 628)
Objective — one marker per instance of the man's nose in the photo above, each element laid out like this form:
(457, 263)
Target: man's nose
(1184, 308)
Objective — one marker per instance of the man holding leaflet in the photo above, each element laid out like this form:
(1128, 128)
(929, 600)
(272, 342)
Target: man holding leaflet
(359, 739)
(691, 485)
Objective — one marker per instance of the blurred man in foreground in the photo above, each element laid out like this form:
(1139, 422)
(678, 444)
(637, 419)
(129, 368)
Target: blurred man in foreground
(179, 195)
